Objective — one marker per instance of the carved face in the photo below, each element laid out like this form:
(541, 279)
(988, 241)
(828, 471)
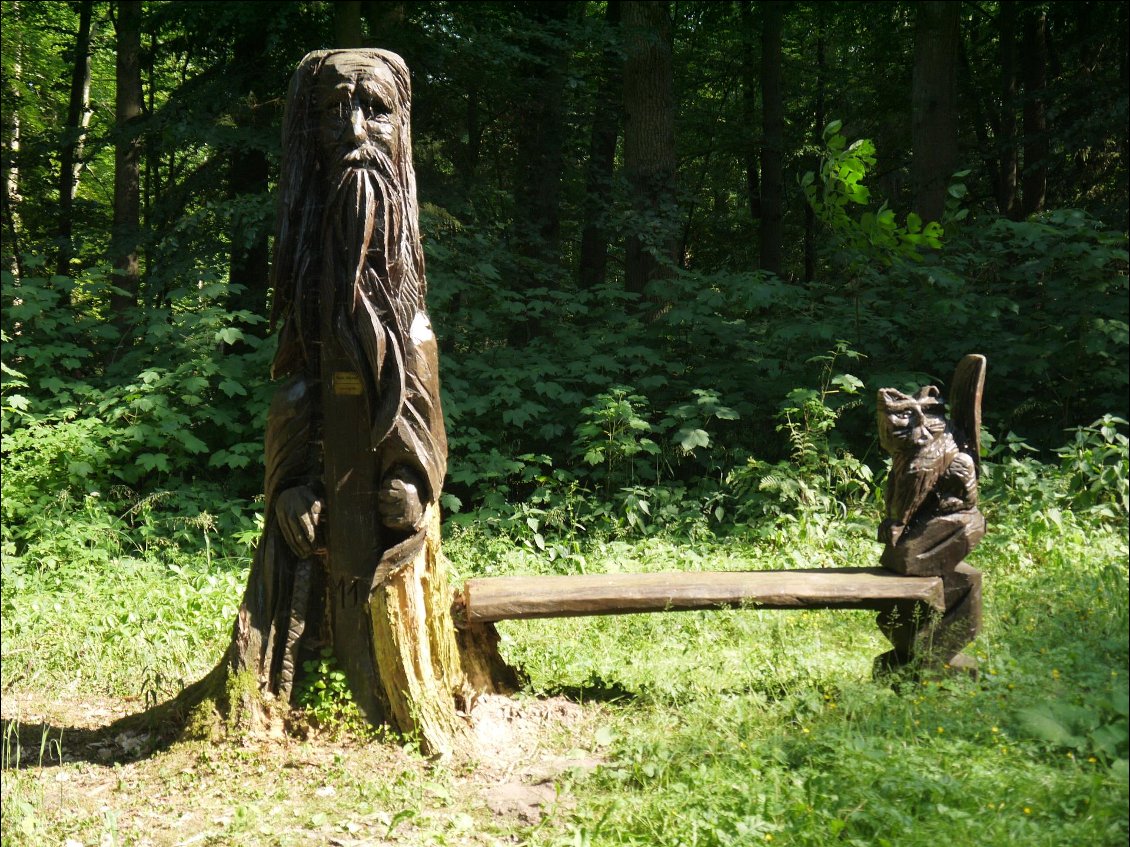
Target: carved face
(908, 423)
(358, 110)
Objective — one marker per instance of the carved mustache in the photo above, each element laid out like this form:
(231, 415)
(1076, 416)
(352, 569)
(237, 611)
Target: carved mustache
(367, 154)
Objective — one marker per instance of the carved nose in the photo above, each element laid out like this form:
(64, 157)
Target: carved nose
(358, 125)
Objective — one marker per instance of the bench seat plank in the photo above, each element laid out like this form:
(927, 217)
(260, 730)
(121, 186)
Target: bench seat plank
(519, 597)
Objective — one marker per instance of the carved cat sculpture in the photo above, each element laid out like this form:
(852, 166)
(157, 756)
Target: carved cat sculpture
(931, 496)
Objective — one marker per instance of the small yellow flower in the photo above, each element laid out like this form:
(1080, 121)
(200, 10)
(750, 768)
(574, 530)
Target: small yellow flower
(994, 730)
(804, 729)
(1055, 674)
(1092, 759)
(1027, 810)
(768, 836)
(941, 729)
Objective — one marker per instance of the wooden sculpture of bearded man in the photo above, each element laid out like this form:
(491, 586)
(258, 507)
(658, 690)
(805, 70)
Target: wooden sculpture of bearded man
(355, 446)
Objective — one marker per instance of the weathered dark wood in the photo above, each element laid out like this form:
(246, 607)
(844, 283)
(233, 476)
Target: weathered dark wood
(932, 519)
(520, 597)
(356, 450)
(932, 641)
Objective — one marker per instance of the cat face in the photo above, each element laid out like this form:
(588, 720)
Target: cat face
(906, 423)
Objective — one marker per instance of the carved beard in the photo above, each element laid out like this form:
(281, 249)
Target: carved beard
(374, 299)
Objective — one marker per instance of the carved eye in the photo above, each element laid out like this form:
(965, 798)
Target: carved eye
(900, 418)
(374, 110)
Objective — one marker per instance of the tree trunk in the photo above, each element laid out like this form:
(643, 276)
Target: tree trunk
(773, 142)
(649, 142)
(78, 117)
(249, 170)
(539, 154)
(934, 118)
(127, 150)
(593, 265)
(347, 24)
(818, 139)
(541, 114)
(749, 112)
(11, 155)
(385, 19)
(349, 559)
(1035, 178)
(1007, 200)
(467, 162)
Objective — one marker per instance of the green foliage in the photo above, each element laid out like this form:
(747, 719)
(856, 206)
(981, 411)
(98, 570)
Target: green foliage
(874, 235)
(822, 477)
(612, 433)
(1057, 351)
(1098, 730)
(324, 692)
(87, 419)
(1097, 466)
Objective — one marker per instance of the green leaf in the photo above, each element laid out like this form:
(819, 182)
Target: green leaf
(191, 443)
(850, 384)
(1110, 739)
(80, 469)
(691, 439)
(1041, 723)
(231, 388)
(153, 461)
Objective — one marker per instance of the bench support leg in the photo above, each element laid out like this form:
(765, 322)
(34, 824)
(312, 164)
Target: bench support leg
(928, 641)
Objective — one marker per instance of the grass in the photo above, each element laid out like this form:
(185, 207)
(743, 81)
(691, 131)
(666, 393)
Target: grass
(723, 728)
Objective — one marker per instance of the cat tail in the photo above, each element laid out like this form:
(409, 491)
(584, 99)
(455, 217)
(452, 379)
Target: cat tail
(966, 388)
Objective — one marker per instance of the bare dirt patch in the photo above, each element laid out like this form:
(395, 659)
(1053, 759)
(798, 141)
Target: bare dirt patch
(520, 752)
(85, 785)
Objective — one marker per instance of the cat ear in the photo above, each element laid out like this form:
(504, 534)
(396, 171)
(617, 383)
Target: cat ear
(929, 392)
(887, 396)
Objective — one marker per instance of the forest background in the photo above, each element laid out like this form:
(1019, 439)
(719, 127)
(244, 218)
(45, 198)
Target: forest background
(673, 249)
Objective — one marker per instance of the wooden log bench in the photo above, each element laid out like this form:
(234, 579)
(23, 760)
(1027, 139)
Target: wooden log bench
(928, 619)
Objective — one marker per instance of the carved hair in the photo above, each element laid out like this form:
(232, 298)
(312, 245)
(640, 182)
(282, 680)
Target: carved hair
(305, 190)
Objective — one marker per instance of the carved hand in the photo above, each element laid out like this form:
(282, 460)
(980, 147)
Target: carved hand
(399, 501)
(949, 505)
(299, 510)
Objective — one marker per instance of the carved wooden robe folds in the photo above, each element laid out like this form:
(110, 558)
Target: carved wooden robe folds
(356, 449)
